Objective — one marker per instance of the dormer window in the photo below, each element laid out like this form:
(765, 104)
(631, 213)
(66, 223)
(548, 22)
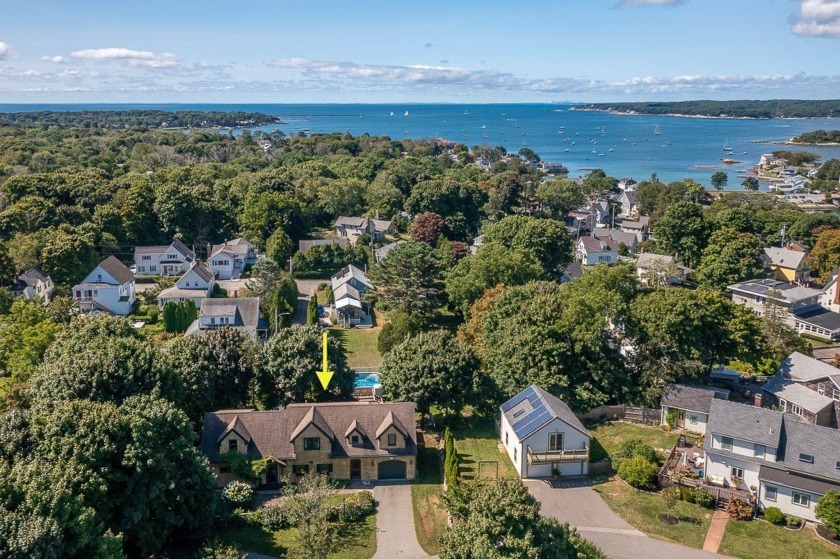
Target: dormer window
(354, 439)
(392, 440)
(232, 445)
(312, 443)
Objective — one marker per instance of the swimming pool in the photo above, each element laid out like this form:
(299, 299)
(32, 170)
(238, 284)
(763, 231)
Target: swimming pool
(366, 380)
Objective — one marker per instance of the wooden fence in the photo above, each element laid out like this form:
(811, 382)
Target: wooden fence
(628, 413)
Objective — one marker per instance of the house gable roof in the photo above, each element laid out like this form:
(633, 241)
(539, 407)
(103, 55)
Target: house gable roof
(391, 421)
(629, 239)
(591, 243)
(797, 394)
(271, 431)
(649, 260)
(312, 417)
(692, 398)
(533, 408)
(116, 270)
(784, 257)
(800, 367)
(354, 428)
(744, 422)
(32, 276)
(235, 426)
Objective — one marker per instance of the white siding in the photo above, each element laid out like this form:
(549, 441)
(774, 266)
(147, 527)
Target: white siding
(784, 501)
(538, 442)
(744, 448)
(717, 465)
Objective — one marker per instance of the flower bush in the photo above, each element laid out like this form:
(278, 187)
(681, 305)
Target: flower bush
(238, 494)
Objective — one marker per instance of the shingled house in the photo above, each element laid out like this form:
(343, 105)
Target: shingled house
(346, 440)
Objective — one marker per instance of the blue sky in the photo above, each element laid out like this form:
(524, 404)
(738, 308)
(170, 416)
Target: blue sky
(456, 51)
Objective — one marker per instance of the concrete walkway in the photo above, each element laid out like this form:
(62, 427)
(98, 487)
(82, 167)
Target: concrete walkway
(580, 506)
(716, 529)
(395, 536)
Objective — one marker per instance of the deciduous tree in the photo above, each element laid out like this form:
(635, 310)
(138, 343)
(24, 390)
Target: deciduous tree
(730, 257)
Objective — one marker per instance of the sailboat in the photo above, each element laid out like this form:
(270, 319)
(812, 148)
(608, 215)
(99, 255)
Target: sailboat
(726, 147)
(406, 113)
(392, 113)
(657, 131)
(516, 124)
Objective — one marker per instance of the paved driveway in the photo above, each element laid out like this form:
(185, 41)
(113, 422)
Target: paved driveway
(395, 536)
(579, 505)
(306, 287)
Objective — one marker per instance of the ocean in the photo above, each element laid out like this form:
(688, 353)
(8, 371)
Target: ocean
(635, 146)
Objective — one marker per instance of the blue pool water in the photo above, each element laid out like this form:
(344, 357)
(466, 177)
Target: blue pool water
(367, 380)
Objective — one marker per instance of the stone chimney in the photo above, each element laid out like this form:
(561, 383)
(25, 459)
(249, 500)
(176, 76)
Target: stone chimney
(757, 400)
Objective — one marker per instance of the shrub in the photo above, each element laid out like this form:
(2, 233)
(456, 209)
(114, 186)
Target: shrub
(704, 498)
(828, 510)
(238, 494)
(353, 508)
(217, 550)
(671, 417)
(638, 471)
(631, 448)
(792, 521)
(450, 459)
(687, 494)
(774, 515)
(670, 496)
(739, 510)
(272, 517)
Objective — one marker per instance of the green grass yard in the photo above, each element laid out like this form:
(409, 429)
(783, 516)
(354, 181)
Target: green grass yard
(426, 497)
(478, 449)
(776, 542)
(360, 346)
(609, 435)
(642, 510)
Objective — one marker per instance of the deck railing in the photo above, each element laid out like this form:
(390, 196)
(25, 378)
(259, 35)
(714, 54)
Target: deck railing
(557, 455)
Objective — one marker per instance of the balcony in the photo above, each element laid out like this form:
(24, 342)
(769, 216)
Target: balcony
(550, 456)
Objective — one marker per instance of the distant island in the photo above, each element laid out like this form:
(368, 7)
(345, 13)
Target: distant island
(776, 108)
(817, 138)
(140, 119)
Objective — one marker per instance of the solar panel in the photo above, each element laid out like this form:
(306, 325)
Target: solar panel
(540, 415)
(526, 394)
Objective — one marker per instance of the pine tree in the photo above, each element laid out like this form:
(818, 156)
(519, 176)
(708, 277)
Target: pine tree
(450, 461)
(312, 311)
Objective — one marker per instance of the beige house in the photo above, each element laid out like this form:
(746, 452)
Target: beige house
(346, 440)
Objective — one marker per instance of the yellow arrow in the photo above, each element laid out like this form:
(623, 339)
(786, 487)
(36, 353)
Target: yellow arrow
(326, 375)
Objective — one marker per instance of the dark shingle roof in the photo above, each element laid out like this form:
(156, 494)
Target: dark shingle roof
(822, 443)
(791, 479)
(798, 394)
(271, 431)
(32, 276)
(748, 423)
(692, 398)
(820, 317)
(247, 309)
(312, 417)
(799, 366)
(116, 269)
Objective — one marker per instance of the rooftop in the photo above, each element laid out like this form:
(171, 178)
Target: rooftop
(532, 408)
(692, 398)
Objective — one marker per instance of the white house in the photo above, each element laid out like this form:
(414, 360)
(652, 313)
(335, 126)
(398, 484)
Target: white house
(659, 269)
(349, 286)
(170, 260)
(784, 462)
(542, 436)
(109, 287)
(229, 259)
(196, 285)
(33, 283)
(242, 314)
(593, 250)
(354, 227)
(626, 238)
(690, 405)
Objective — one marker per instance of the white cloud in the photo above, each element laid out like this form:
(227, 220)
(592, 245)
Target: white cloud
(6, 51)
(133, 58)
(638, 3)
(331, 74)
(57, 59)
(817, 18)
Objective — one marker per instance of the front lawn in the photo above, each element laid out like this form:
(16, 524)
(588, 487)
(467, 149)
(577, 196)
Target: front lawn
(477, 446)
(740, 540)
(360, 346)
(642, 510)
(358, 539)
(426, 497)
(609, 435)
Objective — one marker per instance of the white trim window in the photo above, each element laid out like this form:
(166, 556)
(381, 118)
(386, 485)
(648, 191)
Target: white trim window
(726, 443)
(821, 388)
(737, 472)
(771, 493)
(801, 499)
(759, 450)
(555, 442)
